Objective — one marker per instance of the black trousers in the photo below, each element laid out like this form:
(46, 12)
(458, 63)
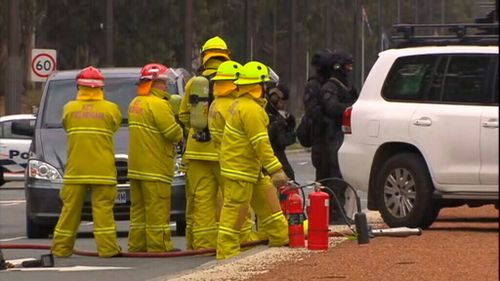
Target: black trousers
(324, 155)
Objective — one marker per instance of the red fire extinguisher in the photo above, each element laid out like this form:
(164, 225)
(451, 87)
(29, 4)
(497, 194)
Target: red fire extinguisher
(318, 220)
(285, 192)
(293, 208)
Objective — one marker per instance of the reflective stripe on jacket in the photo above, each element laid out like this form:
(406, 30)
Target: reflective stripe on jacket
(245, 148)
(90, 126)
(153, 136)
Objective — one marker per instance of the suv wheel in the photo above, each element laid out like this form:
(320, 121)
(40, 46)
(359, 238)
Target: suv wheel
(404, 192)
(34, 230)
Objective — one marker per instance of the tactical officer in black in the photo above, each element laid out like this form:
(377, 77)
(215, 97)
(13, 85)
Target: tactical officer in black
(312, 130)
(311, 126)
(337, 94)
(281, 127)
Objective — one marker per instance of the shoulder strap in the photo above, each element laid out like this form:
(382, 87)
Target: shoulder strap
(339, 83)
(210, 88)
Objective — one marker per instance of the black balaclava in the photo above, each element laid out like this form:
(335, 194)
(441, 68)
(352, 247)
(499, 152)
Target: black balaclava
(339, 60)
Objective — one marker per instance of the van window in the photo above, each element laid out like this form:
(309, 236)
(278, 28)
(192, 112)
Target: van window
(408, 78)
(465, 79)
(118, 90)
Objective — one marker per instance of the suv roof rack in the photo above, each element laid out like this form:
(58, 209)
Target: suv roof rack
(405, 35)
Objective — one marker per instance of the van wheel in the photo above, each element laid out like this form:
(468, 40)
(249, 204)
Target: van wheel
(404, 192)
(180, 228)
(35, 230)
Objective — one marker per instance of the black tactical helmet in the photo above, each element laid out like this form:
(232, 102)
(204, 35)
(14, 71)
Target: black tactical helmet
(321, 59)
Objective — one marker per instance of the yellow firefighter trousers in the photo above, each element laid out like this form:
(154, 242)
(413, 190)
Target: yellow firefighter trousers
(149, 216)
(103, 199)
(189, 215)
(204, 183)
(204, 191)
(238, 197)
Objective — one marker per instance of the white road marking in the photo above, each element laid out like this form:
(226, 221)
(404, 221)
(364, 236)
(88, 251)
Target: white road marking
(12, 201)
(7, 203)
(70, 268)
(13, 238)
(19, 261)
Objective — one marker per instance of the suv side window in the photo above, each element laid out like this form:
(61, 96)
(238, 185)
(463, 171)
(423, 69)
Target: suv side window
(409, 77)
(436, 86)
(465, 80)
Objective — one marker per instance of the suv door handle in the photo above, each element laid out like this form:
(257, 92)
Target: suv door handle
(423, 121)
(492, 123)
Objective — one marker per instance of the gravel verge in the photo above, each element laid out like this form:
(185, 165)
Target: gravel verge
(258, 260)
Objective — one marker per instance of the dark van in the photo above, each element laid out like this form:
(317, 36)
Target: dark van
(45, 168)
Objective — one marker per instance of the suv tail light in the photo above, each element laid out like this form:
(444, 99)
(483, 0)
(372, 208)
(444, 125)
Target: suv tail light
(346, 121)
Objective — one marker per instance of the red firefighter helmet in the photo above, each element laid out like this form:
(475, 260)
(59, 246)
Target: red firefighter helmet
(90, 77)
(155, 71)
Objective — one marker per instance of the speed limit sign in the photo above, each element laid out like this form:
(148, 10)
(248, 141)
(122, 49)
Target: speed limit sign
(43, 63)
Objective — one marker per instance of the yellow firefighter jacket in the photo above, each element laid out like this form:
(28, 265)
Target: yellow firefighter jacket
(153, 136)
(245, 149)
(194, 149)
(90, 125)
(217, 116)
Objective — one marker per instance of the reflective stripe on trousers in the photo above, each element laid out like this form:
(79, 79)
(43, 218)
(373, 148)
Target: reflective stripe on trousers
(204, 186)
(238, 196)
(149, 217)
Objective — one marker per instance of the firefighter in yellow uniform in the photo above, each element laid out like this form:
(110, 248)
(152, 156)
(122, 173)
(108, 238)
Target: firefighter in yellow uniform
(224, 95)
(153, 136)
(90, 123)
(201, 158)
(247, 160)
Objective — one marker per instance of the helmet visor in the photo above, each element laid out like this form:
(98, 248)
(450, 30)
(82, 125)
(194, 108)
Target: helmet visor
(273, 76)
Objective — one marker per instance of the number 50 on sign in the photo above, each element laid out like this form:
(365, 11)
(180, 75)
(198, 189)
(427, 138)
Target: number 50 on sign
(43, 63)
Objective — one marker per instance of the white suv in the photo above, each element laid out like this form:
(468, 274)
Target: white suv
(424, 132)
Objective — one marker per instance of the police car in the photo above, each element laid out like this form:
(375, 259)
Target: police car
(14, 149)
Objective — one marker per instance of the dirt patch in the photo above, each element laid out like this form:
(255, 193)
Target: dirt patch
(461, 245)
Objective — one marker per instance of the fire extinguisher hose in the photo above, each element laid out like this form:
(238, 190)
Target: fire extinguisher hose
(342, 211)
